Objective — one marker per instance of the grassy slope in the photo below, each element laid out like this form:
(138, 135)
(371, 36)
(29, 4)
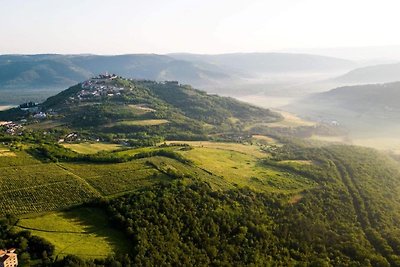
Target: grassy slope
(83, 232)
(244, 170)
(91, 148)
(28, 185)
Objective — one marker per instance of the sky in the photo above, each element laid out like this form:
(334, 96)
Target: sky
(195, 26)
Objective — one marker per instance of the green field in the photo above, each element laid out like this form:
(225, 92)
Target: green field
(237, 147)
(141, 109)
(83, 232)
(289, 121)
(92, 148)
(141, 122)
(5, 152)
(10, 158)
(29, 186)
(245, 170)
(110, 179)
(47, 124)
(41, 187)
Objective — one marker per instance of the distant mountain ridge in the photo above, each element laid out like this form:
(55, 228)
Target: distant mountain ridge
(60, 71)
(383, 73)
(37, 71)
(261, 63)
(372, 107)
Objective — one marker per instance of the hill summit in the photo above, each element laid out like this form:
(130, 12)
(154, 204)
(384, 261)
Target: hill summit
(109, 103)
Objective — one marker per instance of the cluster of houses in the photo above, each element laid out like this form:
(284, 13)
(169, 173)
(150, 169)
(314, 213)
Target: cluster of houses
(71, 137)
(97, 87)
(8, 258)
(11, 127)
(33, 109)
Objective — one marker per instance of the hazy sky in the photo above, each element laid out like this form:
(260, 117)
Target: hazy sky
(201, 26)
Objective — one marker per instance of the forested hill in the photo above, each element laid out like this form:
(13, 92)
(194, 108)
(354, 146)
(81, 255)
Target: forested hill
(115, 104)
(57, 71)
(383, 73)
(372, 106)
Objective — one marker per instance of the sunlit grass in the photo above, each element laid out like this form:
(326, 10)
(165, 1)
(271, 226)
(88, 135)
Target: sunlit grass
(83, 232)
(91, 148)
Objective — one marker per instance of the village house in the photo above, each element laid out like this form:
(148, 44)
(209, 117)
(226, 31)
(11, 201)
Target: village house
(11, 127)
(40, 115)
(8, 258)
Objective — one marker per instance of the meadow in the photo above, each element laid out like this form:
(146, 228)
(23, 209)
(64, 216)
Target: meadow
(289, 121)
(141, 122)
(92, 148)
(83, 232)
(237, 147)
(239, 165)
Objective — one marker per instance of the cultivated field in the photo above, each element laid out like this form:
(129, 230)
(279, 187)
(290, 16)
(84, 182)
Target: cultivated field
(289, 120)
(83, 232)
(27, 185)
(140, 123)
(5, 152)
(47, 124)
(111, 179)
(92, 148)
(245, 170)
(237, 147)
(141, 109)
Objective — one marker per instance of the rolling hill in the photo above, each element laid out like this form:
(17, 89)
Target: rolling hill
(37, 77)
(142, 107)
(158, 173)
(373, 107)
(254, 64)
(44, 71)
(383, 73)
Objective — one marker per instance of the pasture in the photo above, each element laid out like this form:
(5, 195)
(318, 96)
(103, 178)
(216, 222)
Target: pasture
(245, 170)
(289, 121)
(237, 147)
(140, 122)
(83, 232)
(92, 148)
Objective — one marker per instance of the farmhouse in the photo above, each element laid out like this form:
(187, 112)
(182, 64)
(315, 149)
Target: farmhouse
(8, 258)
